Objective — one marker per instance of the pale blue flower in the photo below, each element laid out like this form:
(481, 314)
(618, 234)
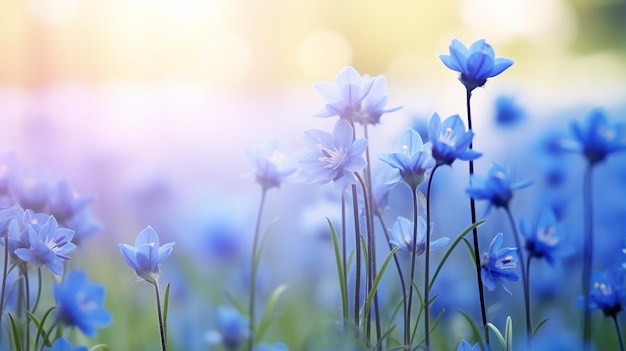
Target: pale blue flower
(450, 140)
(498, 264)
(147, 255)
(544, 239)
(597, 138)
(232, 329)
(475, 64)
(497, 187)
(412, 160)
(334, 156)
(402, 235)
(269, 165)
(465, 346)
(64, 202)
(61, 344)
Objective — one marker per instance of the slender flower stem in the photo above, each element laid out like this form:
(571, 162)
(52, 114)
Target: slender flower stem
(520, 253)
(161, 325)
(357, 247)
(4, 278)
(619, 333)
(344, 249)
(587, 253)
(413, 258)
(427, 264)
(479, 279)
(254, 267)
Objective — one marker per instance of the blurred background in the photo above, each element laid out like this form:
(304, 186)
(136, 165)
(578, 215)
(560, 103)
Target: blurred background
(150, 104)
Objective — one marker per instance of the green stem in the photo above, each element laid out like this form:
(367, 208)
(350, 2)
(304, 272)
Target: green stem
(161, 327)
(344, 249)
(619, 333)
(587, 254)
(407, 327)
(357, 247)
(427, 264)
(254, 267)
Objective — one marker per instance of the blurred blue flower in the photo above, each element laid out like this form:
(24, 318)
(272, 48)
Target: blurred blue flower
(498, 264)
(269, 166)
(402, 235)
(6, 216)
(413, 159)
(31, 189)
(450, 140)
(334, 155)
(381, 188)
(597, 138)
(465, 346)
(147, 255)
(61, 344)
(606, 292)
(232, 329)
(497, 187)
(544, 239)
(475, 64)
(64, 202)
(80, 304)
(508, 113)
(276, 347)
(84, 225)
(48, 245)
(19, 229)
(353, 97)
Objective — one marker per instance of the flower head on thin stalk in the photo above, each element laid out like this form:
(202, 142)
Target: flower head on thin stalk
(402, 235)
(475, 64)
(61, 344)
(354, 97)
(597, 138)
(544, 239)
(606, 292)
(147, 255)
(334, 156)
(48, 245)
(465, 346)
(498, 264)
(269, 165)
(497, 187)
(450, 140)
(413, 159)
(80, 304)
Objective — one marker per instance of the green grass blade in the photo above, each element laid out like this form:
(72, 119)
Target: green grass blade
(475, 331)
(166, 303)
(540, 325)
(266, 320)
(498, 335)
(104, 347)
(17, 342)
(381, 272)
(340, 271)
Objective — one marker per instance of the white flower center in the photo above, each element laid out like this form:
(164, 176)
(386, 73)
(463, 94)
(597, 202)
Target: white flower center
(332, 157)
(448, 138)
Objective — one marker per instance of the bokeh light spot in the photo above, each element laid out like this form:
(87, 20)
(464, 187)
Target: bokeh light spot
(323, 53)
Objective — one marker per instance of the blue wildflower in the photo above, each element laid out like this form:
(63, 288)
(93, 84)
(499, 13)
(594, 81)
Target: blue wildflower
(607, 292)
(334, 155)
(597, 138)
(147, 254)
(465, 346)
(19, 229)
(84, 225)
(498, 264)
(508, 113)
(381, 188)
(543, 240)
(61, 344)
(413, 160)
(450, 140)
(353, 97)
(64, 202)
(402, 234)
(31, 190)
(497, 187)
(232, 329)
(276, 347)
(475, 64)
(269, 166)
(48, 245)
(80, 304)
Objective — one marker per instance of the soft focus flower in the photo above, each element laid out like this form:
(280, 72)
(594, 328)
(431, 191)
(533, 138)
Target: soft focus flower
(413, 159)
(147, 254)
(508, 113)
(497, 187)
(450, 140)
(544, 239)
(334, 155)
(232, 329)
(381, 188)
(498, 264)
(61, 344)
(269, 166)
(607, 292)
(19, 229)
(84, 225)
(80, 304)
(465, 346)
(30, 189)
(597, 138)
(353, 97)
(276, 347)
(64, 202)
(402, 234)
(475, 64)
(48, 245)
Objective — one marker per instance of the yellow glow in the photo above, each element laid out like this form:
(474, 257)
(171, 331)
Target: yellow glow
(323, 53)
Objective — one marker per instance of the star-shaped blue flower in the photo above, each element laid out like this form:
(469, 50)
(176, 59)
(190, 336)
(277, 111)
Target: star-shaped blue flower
(402, 235)
(544, 239)
(597, 138)
(413, 159)
(269, 165)
(498, 264)
(147, 255)
(497, 187)
(450, 140)
(475, 64)
(465, 346)
(334, 156)
(607, 292)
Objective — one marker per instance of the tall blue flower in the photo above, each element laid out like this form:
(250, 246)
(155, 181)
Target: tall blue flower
(61, 344)
(48, 245)
(607, 292)
(147, 255)
(544, 239)
(498, 264)
(450, 140)
(465, 346)
(497, 187)
(597, 138)
(334, 156)
(269, 166)
(80, 304)
(475, 64)
(353, 97)
(413, 159)
(402, 235)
